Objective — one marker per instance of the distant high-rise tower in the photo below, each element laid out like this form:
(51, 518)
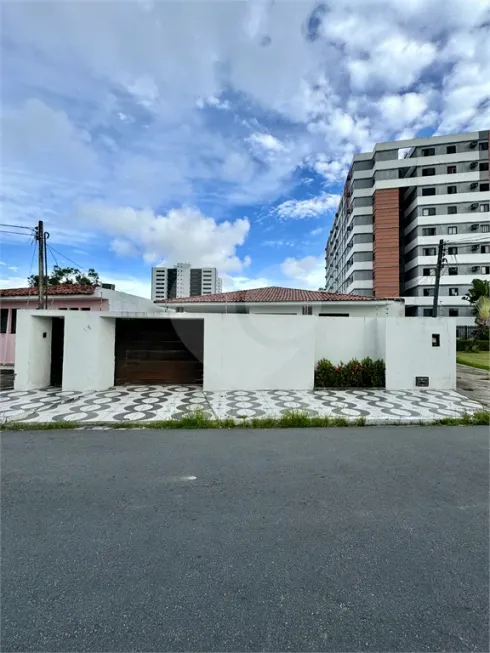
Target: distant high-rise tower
(183, 281)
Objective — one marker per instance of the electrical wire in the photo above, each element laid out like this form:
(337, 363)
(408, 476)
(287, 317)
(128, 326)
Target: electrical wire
(16, 226)
(52, 254)
(6, 231)
(68, 259)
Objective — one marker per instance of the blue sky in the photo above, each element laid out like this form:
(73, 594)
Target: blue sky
(217, 133)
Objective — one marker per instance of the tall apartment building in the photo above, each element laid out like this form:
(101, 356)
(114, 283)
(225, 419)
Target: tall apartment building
(183, 281)
(398, 202)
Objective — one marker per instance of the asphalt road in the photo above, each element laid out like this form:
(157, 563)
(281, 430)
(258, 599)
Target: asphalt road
(304, 540)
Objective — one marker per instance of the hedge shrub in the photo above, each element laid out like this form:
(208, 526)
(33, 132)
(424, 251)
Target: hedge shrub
(366, 373)
(472, 345)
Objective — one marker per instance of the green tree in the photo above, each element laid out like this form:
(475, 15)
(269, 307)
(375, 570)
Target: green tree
(479, 297)
(61, 275)
(479, 288)
(482, 319)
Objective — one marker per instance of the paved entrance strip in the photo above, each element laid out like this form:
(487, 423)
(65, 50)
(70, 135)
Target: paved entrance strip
(157, 403)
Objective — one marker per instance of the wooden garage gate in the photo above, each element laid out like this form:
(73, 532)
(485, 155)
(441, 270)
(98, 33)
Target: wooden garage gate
(156, 351)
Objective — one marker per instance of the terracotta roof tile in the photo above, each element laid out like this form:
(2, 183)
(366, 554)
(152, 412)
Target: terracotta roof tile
(62, 289)
(274, 294)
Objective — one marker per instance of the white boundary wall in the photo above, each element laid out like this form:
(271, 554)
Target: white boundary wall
(246, 352)
(268, 352)
(88, 361)
(32, 351)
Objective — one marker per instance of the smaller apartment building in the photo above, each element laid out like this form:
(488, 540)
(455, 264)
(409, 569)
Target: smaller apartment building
(398, 202)
(183, 281)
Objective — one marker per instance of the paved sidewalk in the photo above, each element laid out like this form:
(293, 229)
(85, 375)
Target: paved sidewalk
(474, 384)
(156, 402)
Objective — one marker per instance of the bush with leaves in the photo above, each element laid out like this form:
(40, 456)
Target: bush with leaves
(366, 373)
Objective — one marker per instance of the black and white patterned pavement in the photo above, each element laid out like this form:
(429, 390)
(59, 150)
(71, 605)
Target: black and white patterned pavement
(157, 402)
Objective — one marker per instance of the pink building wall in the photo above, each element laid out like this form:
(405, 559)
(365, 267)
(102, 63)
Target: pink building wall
(7, 339)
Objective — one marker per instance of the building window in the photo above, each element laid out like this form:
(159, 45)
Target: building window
(452, 251)
(452, 230)
(484, 208)
(485, 269)
(483, 166)
(429, 211)
(451, 170)
(427, 312)
(484, 187)
(4, 317)
(307, 310)
(429, 231)
(483, 147)
(429, 251)
(429, 151)
(451, 149)
(451, 210)
(452, 190)
(485, 249)
(13, 320)
(428, 292)
(452, 272)
(453, 292)
(85, 309)
(485, 228)
(428, 172)
(428, 191)
(453, 312)
(429, 272)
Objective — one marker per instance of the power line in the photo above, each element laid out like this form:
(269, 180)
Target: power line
(7, 231)
(68, 259)
(50, 249)
(16, 226)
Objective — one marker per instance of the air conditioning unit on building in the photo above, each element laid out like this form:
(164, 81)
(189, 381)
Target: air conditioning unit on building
(474, 185)
(475, 268)
(473, 164)
(474, 248)
(474, 227)
(474, 206)
(473, 144)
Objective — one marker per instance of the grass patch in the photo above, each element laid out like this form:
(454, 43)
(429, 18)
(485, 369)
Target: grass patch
(38, 426)
(201, 420)
(480, 418)
(480, 360)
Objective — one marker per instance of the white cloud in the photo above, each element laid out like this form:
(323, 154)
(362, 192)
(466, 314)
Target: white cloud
(267, 142)
(129, 284)
(123, 247)
(393, 64)
(401, 110)
(13, 282)
(308, 271)
(311, 208)
(316, 232)
(181, 235)
(241, 282)
(36, 137)
(213, 101)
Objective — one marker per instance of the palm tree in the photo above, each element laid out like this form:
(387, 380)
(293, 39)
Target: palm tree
(482, 319)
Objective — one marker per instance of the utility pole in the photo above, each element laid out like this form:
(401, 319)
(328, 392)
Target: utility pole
(39, 236)
(440, 255)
